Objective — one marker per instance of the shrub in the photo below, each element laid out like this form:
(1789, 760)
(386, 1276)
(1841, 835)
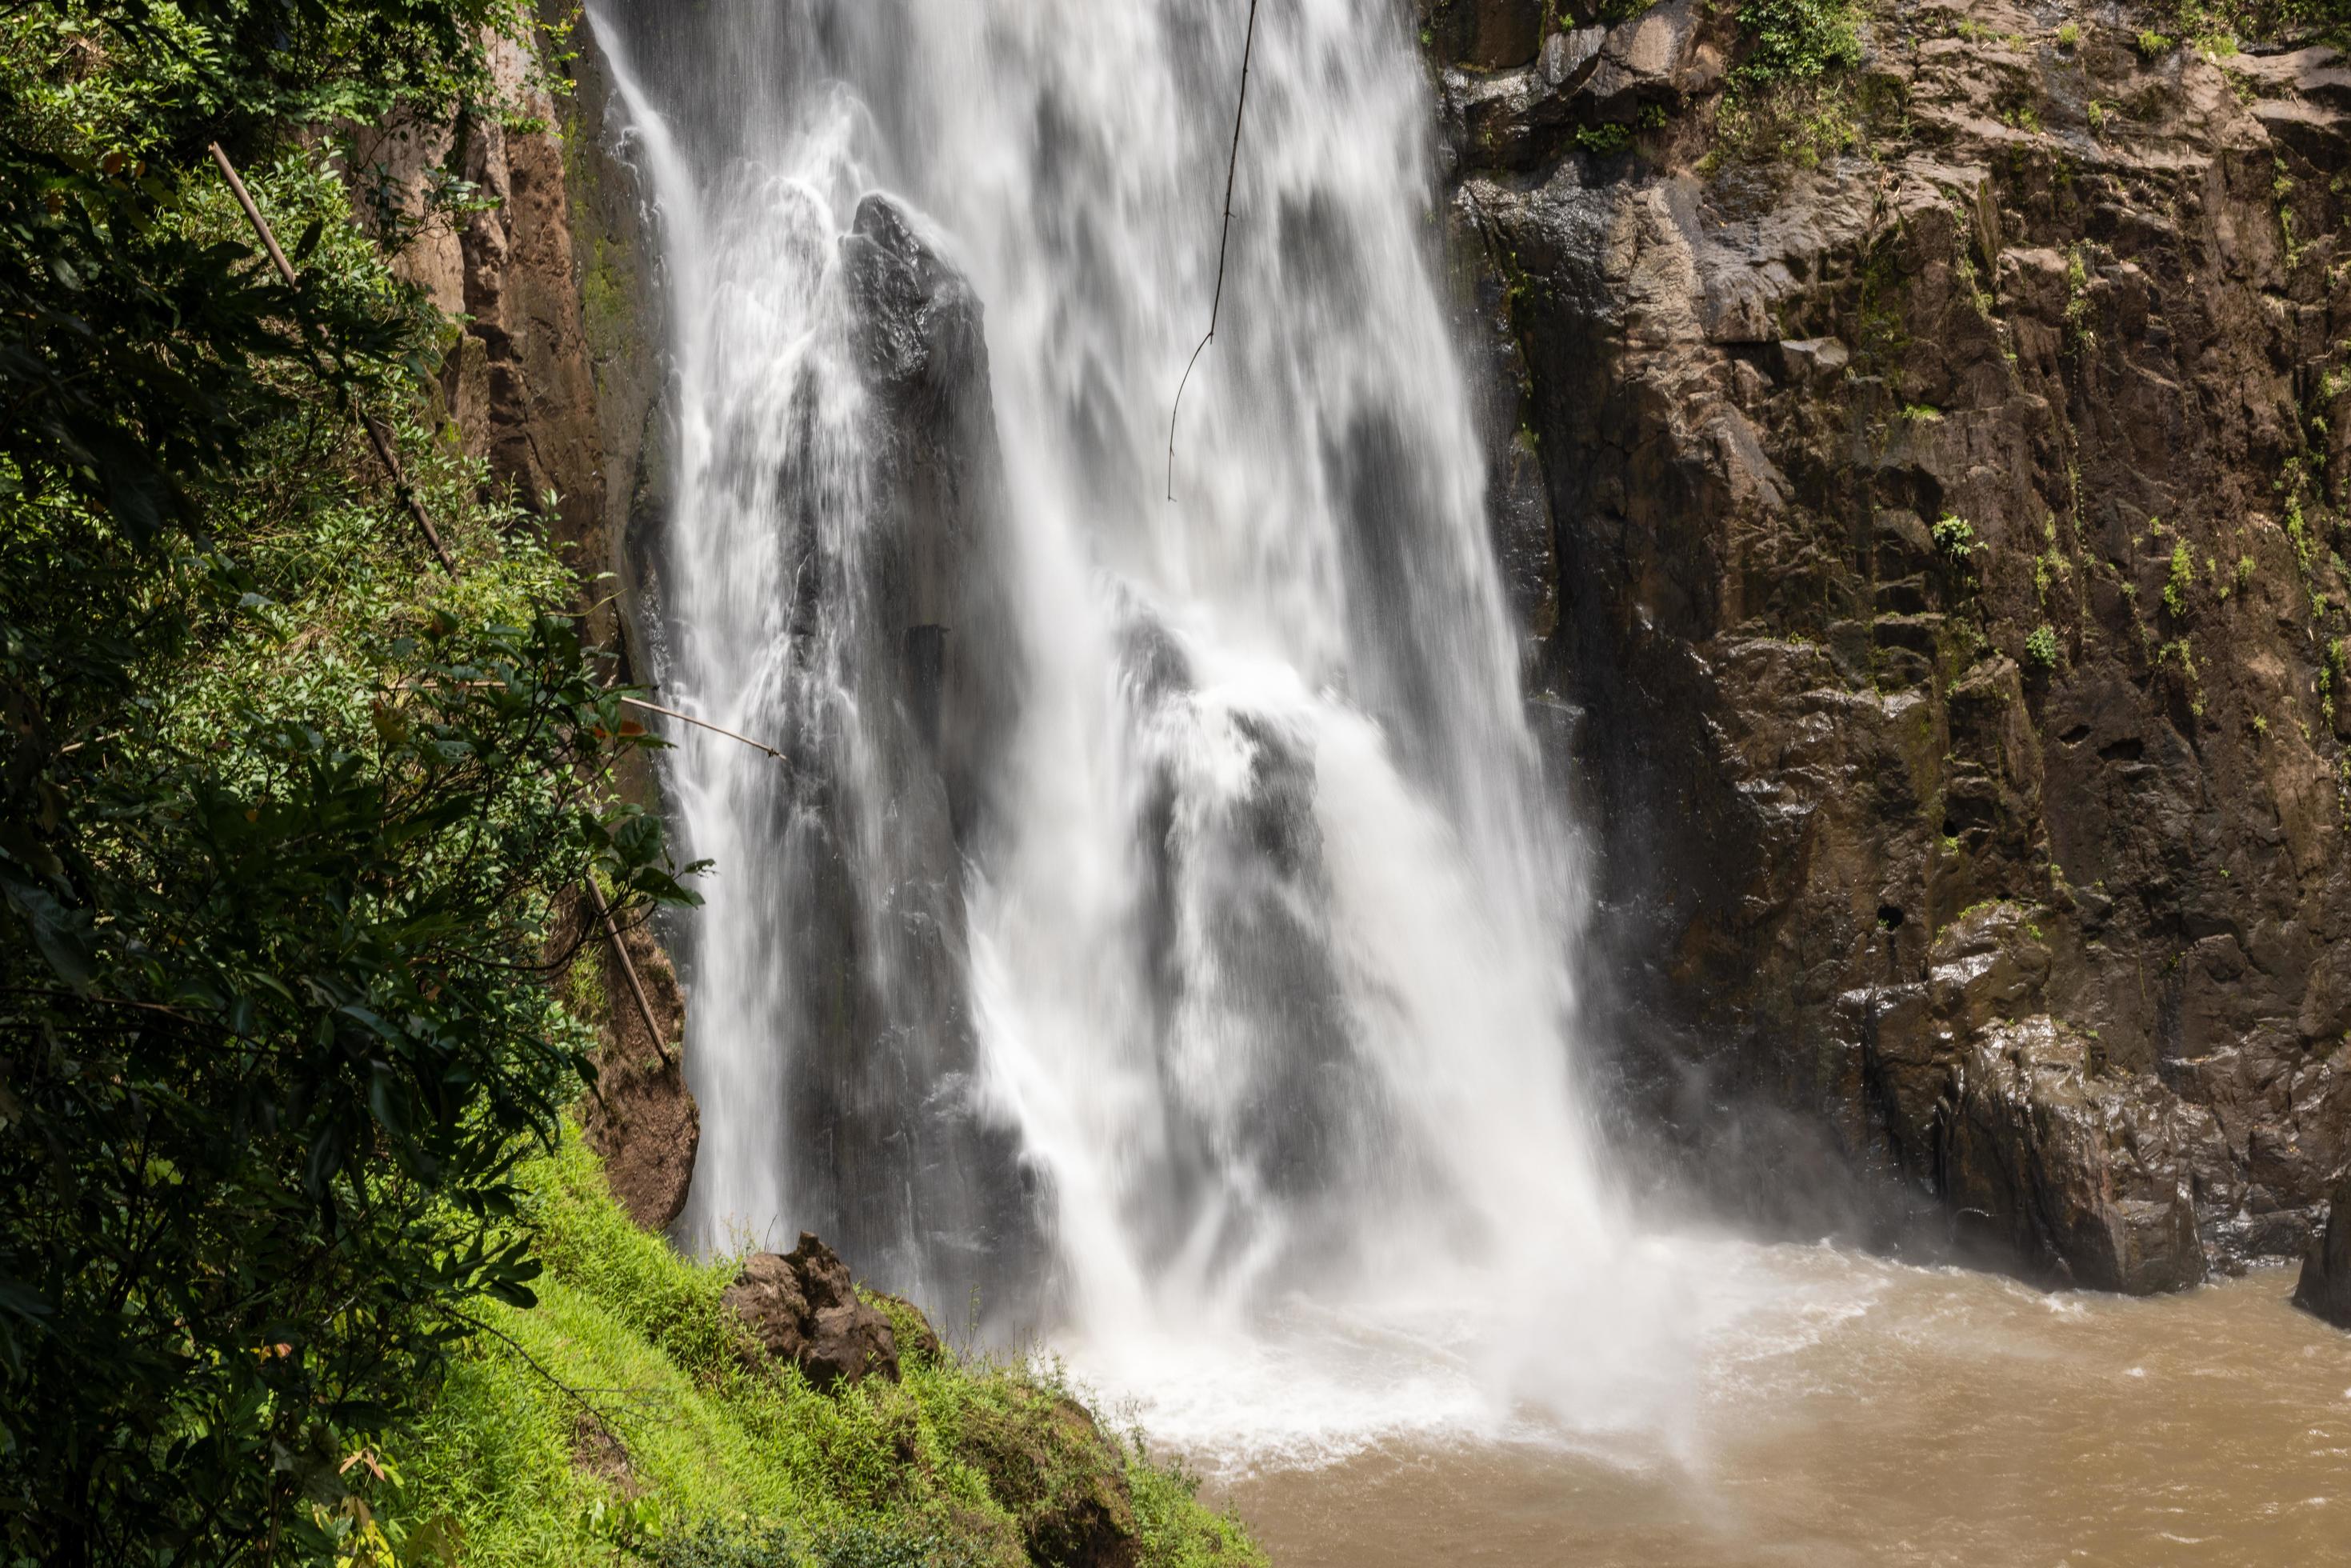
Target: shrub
(280, 818)
(1798, 39)
(1956, 537)
(2041, 648)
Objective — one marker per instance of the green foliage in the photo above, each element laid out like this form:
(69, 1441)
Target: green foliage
(1601, 141)
(138, 346)
(1955, 538)
(1797, 40)
(279, 827)
(2219, 26)
(1799, 123)
(2182, 579)
(2040, 649)
(2152, 44)
(730, 1464)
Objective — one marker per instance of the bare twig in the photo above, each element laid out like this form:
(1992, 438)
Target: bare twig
(635, 703)
(706, 724)
(375, 432)
(629, 969)
(1224, 242)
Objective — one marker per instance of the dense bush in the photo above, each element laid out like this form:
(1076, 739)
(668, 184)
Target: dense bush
(280, 813)
(1795, 40)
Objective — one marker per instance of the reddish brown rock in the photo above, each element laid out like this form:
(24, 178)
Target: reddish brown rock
(639, 1116)
(804, 1309)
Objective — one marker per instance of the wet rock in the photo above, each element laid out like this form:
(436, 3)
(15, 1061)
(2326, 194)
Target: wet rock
(1503, 33)
(886, 1144)
(2085, 1177)
(804, 1309)
(1871, 789)
(2325, 1284)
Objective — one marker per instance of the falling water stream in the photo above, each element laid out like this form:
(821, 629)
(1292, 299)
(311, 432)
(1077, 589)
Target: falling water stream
(1158, 940)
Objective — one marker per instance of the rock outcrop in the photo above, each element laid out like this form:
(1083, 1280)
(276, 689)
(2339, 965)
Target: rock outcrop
(1062, 1478)
(1940, 567)
(804, 1311)
(549, 379)
(2325, 1284)
(639, 1116)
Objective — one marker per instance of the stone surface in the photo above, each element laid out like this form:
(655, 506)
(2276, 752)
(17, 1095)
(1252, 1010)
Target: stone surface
(640, 1116)
(804, 1309)
(1485, 35)
(2325, 1287)
(1968, 876)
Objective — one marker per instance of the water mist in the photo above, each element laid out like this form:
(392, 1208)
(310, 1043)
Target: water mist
(1161, 936)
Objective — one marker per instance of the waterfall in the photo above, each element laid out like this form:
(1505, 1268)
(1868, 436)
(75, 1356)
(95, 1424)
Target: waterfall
(1160, 935)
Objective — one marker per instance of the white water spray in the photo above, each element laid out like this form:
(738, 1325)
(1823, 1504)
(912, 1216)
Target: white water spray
(1262, 938)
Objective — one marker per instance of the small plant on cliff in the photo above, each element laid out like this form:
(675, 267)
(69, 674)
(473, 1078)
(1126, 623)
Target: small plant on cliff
(2182, 579)
(2078, 309)
(2152, 45)
(2041, 648)
(2068, 36)
(1956, 537)
(1605, 140)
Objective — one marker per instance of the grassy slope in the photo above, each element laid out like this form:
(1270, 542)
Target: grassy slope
(965, 1462)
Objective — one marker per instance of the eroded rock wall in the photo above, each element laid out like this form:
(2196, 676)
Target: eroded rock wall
(1944, 564)
(550, 375)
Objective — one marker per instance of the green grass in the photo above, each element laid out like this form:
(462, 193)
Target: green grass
(729, 1462)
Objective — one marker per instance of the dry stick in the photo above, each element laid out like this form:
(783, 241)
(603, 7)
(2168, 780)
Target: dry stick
(706, 724)
(629, 969)
(1216, 308)
(376, 438)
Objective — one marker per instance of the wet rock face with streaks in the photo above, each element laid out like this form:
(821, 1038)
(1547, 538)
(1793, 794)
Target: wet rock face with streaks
(1945, 569)
(2325, 1287)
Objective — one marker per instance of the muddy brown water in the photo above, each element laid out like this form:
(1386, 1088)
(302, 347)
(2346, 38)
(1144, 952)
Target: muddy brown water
(1948, 1418)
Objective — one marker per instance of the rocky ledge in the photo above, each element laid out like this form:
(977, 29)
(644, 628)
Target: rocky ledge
(804, 1311)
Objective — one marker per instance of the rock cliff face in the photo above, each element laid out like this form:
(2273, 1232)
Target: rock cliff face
(1939, 549)
(551, 378)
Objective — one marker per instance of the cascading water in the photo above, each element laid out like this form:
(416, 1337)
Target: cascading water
(1207, 1000)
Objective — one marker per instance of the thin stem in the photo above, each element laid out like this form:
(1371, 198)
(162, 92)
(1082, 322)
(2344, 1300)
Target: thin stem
(1224, 243)
(628, 969)
(706, 724)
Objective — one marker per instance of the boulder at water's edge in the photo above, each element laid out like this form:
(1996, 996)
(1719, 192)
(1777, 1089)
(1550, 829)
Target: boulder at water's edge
(2326, 1287)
